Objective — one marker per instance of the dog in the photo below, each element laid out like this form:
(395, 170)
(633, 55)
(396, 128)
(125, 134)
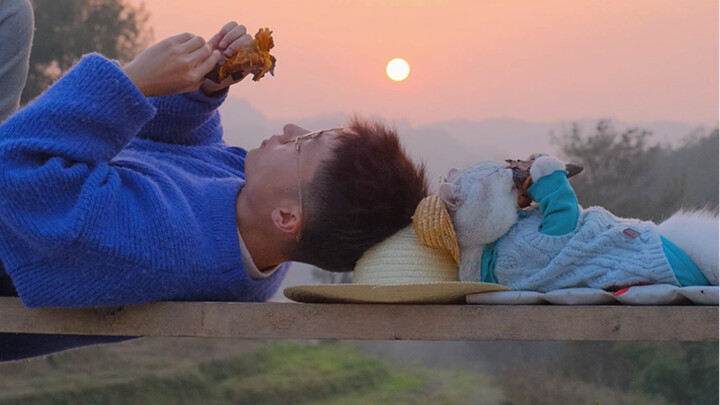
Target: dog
(554, 243)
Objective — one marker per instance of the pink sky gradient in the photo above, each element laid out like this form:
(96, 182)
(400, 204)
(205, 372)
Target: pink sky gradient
(634, 60)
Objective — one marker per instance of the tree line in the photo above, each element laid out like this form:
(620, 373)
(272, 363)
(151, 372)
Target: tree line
(631, 176)
(65, 30)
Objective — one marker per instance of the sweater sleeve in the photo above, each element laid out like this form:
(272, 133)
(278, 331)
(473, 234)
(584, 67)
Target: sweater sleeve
(185, 119)
(55, 153)
(558, 203)
(88, 116)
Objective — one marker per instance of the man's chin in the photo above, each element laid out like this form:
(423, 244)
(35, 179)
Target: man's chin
(250, 159)
(250, 155)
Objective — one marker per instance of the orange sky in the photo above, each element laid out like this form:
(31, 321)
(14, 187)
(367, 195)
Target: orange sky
(635, 60)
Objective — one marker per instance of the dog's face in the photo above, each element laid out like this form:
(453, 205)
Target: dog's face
(482, 202)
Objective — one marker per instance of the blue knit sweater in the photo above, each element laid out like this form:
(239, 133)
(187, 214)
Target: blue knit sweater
(110, 198)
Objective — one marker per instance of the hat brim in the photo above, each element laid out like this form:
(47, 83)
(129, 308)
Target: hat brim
(453, 292)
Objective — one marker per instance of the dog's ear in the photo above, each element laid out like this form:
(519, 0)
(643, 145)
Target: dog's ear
(453, 174)
(449, 194)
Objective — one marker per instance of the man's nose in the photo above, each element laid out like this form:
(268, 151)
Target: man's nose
(292, 131)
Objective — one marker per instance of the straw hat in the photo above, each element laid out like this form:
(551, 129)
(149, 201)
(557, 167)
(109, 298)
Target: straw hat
(433, 226)
(402, 269)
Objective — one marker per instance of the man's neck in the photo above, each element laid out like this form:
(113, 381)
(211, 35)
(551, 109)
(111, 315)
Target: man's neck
(257, 236)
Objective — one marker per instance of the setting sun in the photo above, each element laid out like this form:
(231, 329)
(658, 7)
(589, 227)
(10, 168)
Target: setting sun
(398, 69)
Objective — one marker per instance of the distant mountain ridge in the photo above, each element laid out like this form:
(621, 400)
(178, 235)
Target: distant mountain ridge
(455, 143)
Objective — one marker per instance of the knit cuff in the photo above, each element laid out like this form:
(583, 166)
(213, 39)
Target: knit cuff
(547, 184)
(185, 119)
(558, 203)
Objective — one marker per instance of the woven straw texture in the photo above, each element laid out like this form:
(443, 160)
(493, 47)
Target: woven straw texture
(433, 226)
(403, 260)
(400, 270)
(435, 293)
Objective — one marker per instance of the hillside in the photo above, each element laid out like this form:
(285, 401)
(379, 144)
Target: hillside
(219, 371)
(444, 145)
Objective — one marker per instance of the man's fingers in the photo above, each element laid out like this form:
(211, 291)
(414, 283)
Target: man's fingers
(208, 64)
(181, 38)
(192, 44)
(235, 45)
(201, 54)
(227, 28)
(236, 32)
(215, 40)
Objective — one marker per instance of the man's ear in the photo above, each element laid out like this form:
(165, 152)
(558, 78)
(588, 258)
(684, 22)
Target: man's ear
(287, 219)
(449, 194)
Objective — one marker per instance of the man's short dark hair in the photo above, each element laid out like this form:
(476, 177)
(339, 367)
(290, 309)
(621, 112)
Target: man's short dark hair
(365, 192)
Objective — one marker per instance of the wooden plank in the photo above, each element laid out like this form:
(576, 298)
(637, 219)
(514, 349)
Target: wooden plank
(371, 322)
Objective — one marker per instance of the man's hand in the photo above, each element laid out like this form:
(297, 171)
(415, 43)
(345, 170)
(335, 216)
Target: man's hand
(172, 66)
(231, 37)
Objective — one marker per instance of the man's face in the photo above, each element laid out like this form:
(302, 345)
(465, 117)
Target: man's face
(273, 170)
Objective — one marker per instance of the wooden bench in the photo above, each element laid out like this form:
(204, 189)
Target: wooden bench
(371, 322)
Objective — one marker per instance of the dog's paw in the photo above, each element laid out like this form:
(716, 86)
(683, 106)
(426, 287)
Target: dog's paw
(545, 165)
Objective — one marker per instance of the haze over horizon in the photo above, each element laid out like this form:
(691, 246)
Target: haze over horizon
(452, 143)
(557, 60)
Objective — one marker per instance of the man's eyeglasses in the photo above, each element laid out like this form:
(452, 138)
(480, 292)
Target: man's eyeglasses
(298, 140)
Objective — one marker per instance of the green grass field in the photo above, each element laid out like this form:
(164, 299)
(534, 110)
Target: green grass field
(220, 371)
